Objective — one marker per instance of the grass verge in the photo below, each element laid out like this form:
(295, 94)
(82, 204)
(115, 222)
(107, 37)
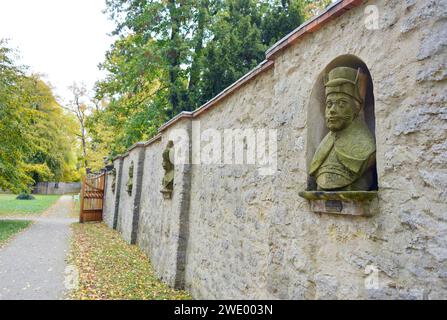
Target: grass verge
(109, 268)
(75, 210)
(9, 206)
(8, 228)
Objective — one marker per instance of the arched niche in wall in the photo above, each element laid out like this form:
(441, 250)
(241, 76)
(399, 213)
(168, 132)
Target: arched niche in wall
(317, 130)
(130, 179)
(168, 167)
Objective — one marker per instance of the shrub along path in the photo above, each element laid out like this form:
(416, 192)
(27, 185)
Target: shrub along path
(32, 265)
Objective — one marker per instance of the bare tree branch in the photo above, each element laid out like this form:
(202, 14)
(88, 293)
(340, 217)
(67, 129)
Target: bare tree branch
(80, 108)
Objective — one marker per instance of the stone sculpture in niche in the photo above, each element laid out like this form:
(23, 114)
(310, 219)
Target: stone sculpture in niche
(344, 161)
(168, 166)
(344, 157)
(130, 180)
(113, 173)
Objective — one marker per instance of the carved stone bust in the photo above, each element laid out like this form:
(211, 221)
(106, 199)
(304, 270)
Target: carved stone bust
(130, 180)
(168, 166)
(113, 173)
(346, 155)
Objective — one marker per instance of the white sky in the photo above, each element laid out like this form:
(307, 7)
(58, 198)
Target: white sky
(63, 39)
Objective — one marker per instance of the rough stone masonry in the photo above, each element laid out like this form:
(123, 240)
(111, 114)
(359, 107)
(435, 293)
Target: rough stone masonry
(229, 232)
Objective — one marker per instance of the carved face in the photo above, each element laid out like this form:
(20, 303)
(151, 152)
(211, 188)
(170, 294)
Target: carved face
(341, 110)
(167, 164)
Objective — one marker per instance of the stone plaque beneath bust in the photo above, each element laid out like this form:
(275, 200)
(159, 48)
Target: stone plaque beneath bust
(333, 206)
(340, 207)
(355, 203)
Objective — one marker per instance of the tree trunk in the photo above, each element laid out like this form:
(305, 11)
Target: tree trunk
(198, 50)
(173, 57)
(84, 145)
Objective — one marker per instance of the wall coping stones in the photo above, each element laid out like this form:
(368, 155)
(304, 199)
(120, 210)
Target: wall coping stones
(263, 66)
(334, 10)
(180, 116)
(139, 144)
(152, 140)
(120, 156)
(136, 145)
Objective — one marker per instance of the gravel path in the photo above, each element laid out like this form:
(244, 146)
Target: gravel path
(32, 265)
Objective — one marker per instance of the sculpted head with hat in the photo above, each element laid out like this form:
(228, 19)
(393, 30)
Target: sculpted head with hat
(345, 92)
(345, 157)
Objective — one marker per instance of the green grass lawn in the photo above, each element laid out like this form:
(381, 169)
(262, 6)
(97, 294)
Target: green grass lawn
(10, 206)
(8, 228)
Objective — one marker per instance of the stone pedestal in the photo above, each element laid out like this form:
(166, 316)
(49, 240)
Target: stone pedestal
(356, 203)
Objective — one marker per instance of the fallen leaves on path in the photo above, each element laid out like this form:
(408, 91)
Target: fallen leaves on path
(109, 268)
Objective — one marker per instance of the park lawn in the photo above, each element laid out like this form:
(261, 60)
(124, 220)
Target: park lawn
(9, 205)
(8, 228)
(111, 269)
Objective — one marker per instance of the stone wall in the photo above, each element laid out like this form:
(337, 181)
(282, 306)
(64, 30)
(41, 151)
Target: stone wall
(161, 227)
(109, 198)
(57, 188)
(128, 201)
(231, 232)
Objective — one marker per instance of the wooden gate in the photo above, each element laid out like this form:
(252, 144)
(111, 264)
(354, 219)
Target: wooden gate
(92, 198)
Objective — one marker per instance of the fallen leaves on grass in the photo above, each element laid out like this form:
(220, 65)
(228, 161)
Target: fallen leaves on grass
(109, 268)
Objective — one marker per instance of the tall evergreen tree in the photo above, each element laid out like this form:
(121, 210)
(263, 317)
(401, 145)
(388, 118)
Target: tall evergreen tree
(236, 46)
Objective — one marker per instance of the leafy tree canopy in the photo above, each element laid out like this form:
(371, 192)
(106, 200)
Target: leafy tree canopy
(38, 137)
(175, 55)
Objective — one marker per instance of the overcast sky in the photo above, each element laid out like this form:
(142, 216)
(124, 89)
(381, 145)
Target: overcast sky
(63, 39)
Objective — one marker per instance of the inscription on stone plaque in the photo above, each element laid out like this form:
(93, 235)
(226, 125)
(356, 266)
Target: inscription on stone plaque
(333, 206)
